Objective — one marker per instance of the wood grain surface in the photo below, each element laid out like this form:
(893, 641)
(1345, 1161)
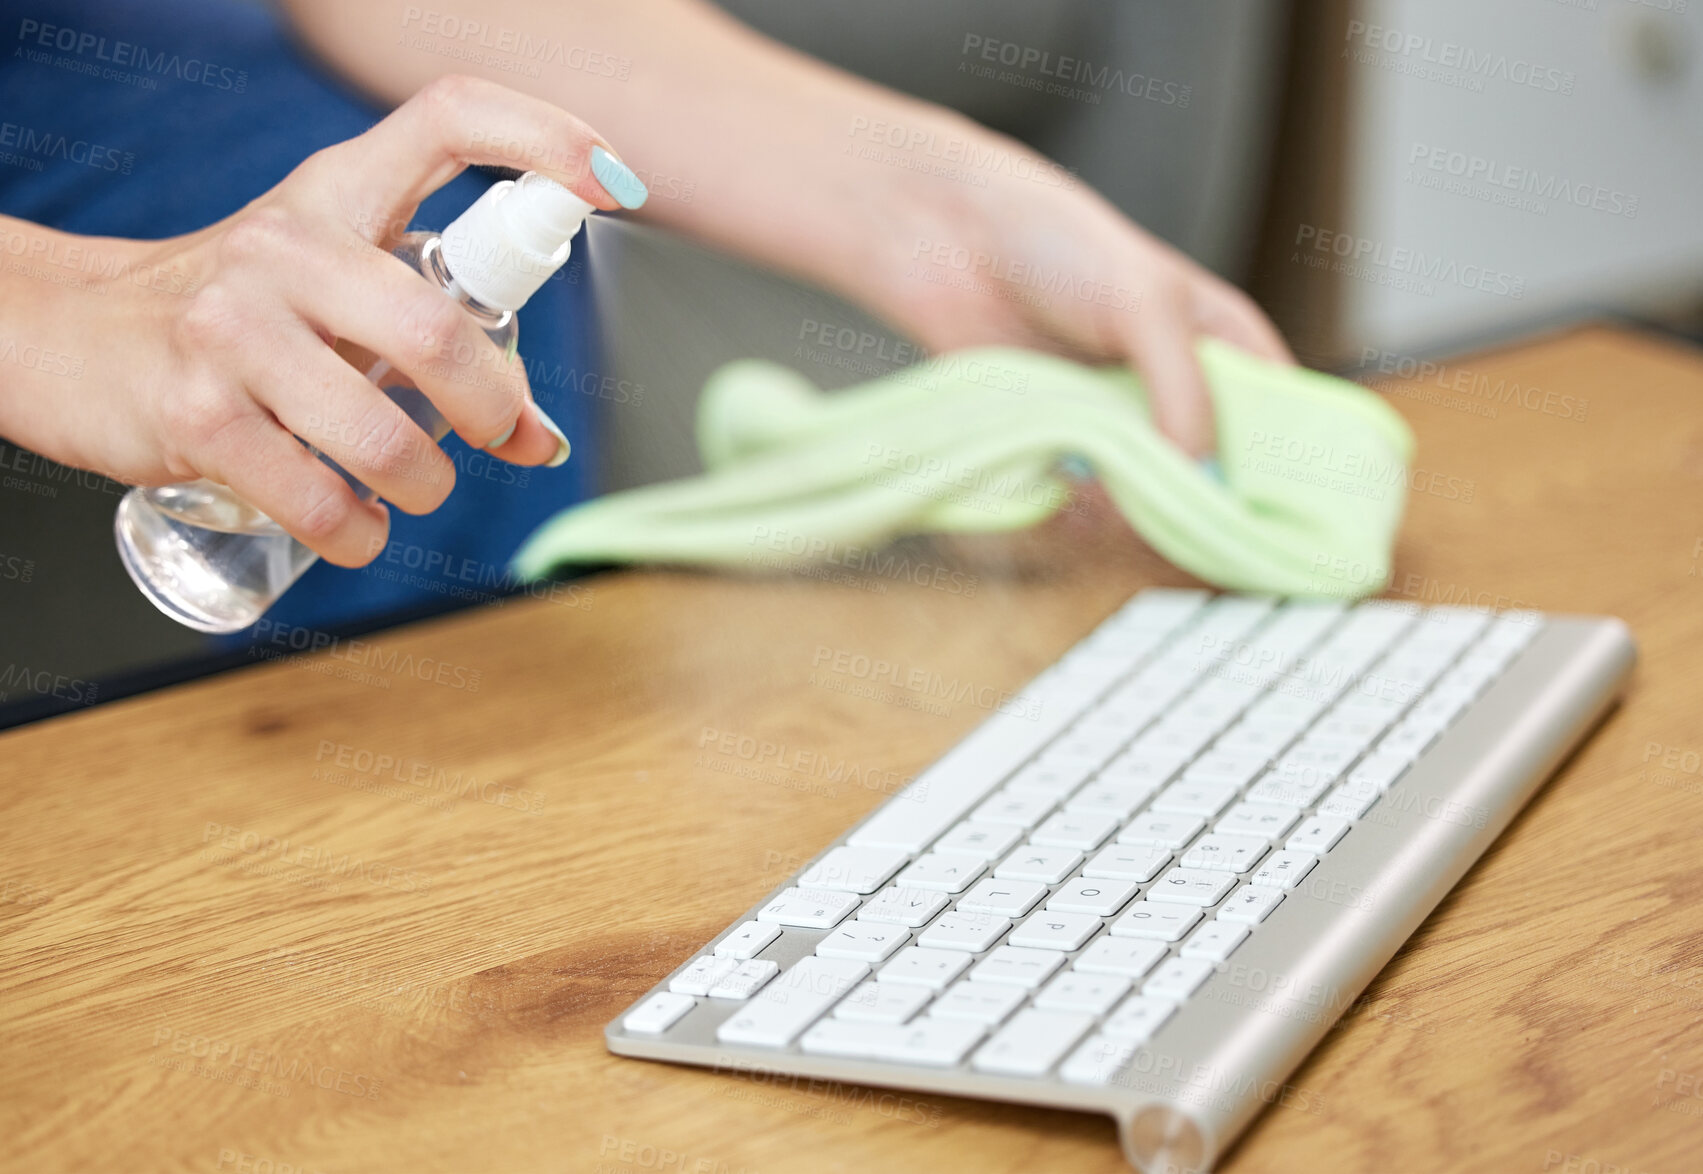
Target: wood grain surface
(370, 909)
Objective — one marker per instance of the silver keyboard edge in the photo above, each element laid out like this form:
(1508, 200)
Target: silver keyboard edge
(1547, 701)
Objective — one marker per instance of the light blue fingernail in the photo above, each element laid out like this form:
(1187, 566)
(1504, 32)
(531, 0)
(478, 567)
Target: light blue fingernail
(618, 179)
(503, 439)
(1211, 467)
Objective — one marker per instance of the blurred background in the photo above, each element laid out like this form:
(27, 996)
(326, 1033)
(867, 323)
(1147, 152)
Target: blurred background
(1394, 181)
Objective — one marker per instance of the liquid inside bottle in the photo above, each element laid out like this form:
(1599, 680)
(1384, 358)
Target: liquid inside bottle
(212, 561)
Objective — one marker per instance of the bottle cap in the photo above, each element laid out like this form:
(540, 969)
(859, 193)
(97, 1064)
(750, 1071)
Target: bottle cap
(512, 239)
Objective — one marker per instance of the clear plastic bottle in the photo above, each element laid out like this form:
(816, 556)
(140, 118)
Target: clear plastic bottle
(210, 560)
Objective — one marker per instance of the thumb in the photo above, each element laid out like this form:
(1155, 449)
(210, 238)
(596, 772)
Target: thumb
(1160, 342)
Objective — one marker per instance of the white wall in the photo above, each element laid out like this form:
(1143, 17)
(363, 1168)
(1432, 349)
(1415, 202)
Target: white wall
(1602, 98)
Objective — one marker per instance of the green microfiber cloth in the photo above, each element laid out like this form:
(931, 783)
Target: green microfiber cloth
(1303, 498)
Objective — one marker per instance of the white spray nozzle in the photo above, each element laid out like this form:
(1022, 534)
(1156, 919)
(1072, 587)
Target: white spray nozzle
(512, 239)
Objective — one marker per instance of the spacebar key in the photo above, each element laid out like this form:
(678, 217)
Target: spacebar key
(792, 1002)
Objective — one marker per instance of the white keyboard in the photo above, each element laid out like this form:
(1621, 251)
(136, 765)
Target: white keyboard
(1066, 907)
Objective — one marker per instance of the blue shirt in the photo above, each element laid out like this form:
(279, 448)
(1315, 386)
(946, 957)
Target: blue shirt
(145, 120)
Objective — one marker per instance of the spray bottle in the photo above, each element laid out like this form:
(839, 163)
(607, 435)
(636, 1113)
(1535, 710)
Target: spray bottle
(213, 562)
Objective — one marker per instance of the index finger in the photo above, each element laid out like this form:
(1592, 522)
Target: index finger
(454, 123)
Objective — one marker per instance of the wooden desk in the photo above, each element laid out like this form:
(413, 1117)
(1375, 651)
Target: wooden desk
(244, 930)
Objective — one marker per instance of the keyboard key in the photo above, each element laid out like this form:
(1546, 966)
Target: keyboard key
(1269, 821)
(1193, 886)
(1138, 1017)
(1290, 790)
(1349, 800)
(1022, 809)
(1252, 736)
(987, 1003)
(1161, 830)
(747, 980)
(1202, 799)
(1130, 957)
(1215, 941)
(1283, 870)
(1225, 853)
(883, 1002)
(748, 940)
(809, 908)
(1018, 966)
(701, 974)
(1072, 991)
(1118, 800)
(1380, 770)
(1178, 978)
(1317, 835)
(866, 941)
(1047, 930)
(930, 1041)
(1250, 905)
(1407, 741)
(945, 872)
(962, 930)
(853, 870)
(1311, 759)
(981, 840)
(1147, 767)
(792, 1002)
(1039, 862)
(842, 1037)
(1224, 767)
(1032, 1042)
(658, 1013)
(1003, 897)
(930, 968)
(1053, 778)
(1075, 829)
(902, 906)
(1085, 894)
(1130, 862)
(1097, 1061)
(1157, 920)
